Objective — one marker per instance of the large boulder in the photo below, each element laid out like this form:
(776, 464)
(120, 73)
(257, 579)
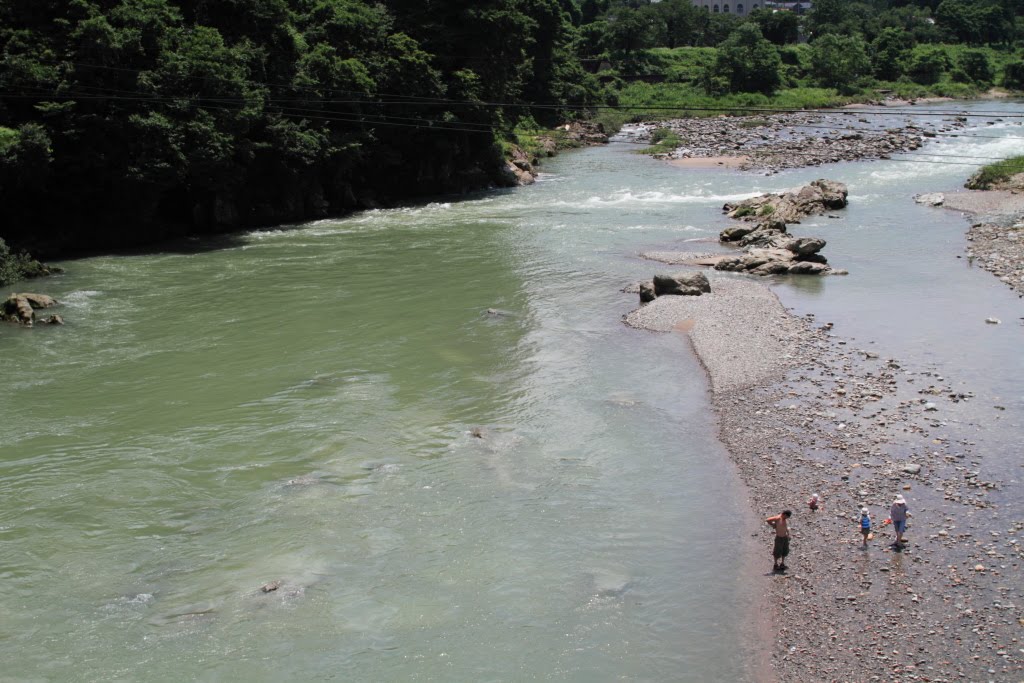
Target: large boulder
(790, 206)
(807, 268)
(736, 232)
(930, 198)
(772, 268)
(21, 307)
(805, 246)
(684, 284)
(833, 193)
(766, 239)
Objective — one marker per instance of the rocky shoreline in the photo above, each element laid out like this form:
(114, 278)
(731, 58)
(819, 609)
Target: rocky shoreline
(772, 142)
(996, 237)
(802, 411)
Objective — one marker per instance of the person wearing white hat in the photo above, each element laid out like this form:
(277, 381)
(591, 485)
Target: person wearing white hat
(898, 513)
(865, 526)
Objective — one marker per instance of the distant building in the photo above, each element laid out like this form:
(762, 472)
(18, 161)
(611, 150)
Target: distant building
(740, 7)
(795, 7)
(745, 7)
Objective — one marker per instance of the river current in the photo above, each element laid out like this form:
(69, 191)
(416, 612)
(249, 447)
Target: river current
(445, 493)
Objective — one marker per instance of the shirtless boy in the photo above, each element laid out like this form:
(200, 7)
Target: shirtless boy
(781, 549)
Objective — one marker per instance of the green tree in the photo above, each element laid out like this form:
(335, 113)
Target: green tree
(977, 66)
(889, 51)
(927, 65)
(976, 22)
(828, 16)
(677, 22)
(780, 27)
(748, 62)
(713, 28)
(1013, 75)
(839, 61)
(631, 29)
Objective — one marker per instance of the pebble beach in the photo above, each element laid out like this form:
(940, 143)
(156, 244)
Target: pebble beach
(803, 410)
(858, 429)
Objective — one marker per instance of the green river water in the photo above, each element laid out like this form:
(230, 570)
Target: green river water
(299, 405)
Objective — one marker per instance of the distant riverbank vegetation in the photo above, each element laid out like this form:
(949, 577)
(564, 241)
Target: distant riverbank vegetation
(130, 121)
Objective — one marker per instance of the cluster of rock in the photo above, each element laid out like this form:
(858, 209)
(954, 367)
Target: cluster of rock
(677, 284)
(782, 260)
(797, 139)
(770, 249)
(817, 198)
(521, 168)
(21, 308)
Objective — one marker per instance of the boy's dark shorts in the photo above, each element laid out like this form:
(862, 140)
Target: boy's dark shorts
(781, 547)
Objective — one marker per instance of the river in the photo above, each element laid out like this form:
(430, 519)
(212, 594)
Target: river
(445, 493)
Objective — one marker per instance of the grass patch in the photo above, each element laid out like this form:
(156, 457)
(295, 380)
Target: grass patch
(663, 140)
(995, 173)
(766, 210)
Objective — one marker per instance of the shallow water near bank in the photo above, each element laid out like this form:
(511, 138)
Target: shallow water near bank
(302, 405)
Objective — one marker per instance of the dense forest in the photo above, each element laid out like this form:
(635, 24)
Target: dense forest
(127, 121)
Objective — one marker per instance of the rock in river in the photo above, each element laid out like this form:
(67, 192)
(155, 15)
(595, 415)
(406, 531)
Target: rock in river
(685, 284)
(21, 307)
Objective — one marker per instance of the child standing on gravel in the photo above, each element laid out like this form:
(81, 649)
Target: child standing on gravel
(865, 526)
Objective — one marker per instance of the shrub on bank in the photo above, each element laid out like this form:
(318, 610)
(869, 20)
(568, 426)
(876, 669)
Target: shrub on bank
(21, 266)
(662, 140)
(988, 176)
(1013, 75)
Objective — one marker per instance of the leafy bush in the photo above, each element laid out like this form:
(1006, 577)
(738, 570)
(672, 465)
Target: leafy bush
(14, 267)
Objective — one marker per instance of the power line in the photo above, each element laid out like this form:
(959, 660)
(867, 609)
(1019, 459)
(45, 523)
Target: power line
(315, 113)
(386, 120)
(406, 99)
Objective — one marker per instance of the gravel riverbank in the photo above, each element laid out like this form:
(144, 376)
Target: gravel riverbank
(802, 411)
(997, 236)
(771, 142)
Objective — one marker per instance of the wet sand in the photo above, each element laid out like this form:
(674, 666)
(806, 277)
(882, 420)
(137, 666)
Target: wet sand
(712, 162)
